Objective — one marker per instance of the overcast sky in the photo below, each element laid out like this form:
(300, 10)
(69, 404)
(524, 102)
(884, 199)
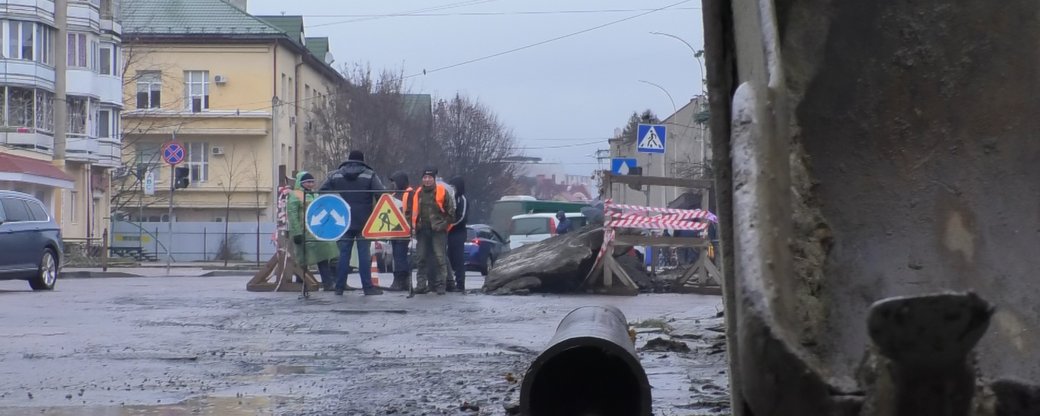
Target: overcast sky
(562, 99)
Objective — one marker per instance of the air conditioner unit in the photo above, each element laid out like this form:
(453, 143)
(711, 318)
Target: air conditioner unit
(220, 79)
(218, 150)
(120, 172)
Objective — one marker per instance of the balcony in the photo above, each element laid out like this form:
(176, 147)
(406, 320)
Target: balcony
(81, 148)
(27, 137)
(21, 72)
(41, 8)
(85, 14)
(109, 153)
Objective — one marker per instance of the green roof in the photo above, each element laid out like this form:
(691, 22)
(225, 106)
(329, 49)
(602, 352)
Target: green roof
(191, 17)
(319, 47)
(291, 25)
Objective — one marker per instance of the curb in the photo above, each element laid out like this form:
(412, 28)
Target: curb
(112, 274)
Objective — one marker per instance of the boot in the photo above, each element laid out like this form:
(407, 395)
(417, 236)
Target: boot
(373, 291)
(449, 285)
(421, 286)
(400, 281)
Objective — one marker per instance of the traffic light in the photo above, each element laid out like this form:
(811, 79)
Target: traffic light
(181, 177)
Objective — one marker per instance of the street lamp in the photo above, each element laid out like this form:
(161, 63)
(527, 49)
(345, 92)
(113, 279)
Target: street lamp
(674, 108)
(697, 54)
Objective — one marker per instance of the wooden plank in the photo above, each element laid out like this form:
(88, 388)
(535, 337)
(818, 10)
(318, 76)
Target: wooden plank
(660, 241)
(636, 180)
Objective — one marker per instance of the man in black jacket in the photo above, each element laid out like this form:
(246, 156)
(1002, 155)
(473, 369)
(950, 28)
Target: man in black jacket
(457, 237)
(359, 185)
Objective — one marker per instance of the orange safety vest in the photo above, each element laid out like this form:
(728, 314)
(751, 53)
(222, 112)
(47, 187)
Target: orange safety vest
(440, 194)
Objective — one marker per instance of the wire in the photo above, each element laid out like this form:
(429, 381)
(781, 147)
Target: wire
(408, 13)
(597, 142)
(512, 13)
(614, 22)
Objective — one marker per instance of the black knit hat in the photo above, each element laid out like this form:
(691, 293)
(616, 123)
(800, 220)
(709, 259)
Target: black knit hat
(356, 155)
(306, 177)
(431, 171)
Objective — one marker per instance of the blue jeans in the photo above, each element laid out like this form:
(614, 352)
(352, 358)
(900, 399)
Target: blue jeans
(400, 249)
(346, 245)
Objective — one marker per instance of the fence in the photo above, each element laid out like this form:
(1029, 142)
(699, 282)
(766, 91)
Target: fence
(193, 241)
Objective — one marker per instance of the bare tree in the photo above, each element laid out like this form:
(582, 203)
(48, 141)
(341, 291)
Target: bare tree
(234, 176)
(476, 146)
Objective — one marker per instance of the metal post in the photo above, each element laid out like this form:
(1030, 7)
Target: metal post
(169, 219)
(205, 252)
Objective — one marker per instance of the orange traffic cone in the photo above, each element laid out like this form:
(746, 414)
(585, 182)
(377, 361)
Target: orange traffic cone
(375, 271)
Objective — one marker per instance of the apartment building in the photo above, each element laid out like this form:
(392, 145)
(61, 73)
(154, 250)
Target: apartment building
(65, 163)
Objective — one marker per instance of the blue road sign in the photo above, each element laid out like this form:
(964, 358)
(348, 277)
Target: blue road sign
(173, 153)
(328, 217)
(650, 138)
(621, 165)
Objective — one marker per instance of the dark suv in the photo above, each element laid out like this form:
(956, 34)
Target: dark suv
(30, 241)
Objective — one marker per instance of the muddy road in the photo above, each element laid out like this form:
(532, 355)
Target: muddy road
(206, 346)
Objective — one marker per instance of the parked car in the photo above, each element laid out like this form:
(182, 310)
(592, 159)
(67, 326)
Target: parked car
(483, 247)
(30, 241)
(532, 228)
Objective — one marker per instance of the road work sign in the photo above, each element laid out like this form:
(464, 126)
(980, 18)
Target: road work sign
(328, 217)
(386, 221)
(650, 138)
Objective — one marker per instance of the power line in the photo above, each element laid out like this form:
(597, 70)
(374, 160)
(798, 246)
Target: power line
(501, 13)
(614, 22)
(597, 142)
(408, 13)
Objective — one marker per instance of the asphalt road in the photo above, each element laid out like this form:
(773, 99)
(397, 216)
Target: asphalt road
(206, 346)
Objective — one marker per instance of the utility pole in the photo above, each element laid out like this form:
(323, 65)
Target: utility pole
(61, 12)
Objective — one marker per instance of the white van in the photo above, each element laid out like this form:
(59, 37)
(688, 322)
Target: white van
(532, 228)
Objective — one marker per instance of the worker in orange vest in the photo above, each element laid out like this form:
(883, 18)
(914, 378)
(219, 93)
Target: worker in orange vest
(432, 212)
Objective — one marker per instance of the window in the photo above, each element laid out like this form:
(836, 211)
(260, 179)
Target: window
(94, 55)
(198, 161)
(45, 40)
(73, 196)
(77, 50)
(20, 103)
(106, 57)
(196, 90)
(149, 89)
(147, 158)
(21, 40)
(77, 121)
(285, 87)
(104, 123)
(15, 210)
(37, 212)
(44, 111)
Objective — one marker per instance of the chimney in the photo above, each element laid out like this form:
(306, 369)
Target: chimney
(240, 4)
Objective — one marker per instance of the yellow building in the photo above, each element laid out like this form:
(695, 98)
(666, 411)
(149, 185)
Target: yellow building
(235, 90)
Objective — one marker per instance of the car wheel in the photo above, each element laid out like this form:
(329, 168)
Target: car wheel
(489, 263)
(47, 275)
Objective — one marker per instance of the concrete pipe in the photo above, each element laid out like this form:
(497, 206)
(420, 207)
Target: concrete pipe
(590, 368)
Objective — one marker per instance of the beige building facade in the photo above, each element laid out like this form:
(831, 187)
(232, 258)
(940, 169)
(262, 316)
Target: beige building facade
(235, 91)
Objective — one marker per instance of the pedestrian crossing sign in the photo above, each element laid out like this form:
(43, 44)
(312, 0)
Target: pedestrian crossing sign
(650, 138)
(386, 221)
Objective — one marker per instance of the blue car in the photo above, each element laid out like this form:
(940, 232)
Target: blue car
(483, 247)
(30, 241)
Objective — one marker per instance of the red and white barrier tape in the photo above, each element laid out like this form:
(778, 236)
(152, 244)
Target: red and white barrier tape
(680, 213)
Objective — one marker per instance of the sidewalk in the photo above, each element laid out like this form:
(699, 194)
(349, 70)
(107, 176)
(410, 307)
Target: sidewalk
(199, 269)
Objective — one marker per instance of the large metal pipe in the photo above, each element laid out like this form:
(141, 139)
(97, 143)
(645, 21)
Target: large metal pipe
(590, 368)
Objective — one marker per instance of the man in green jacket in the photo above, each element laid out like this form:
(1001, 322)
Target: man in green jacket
(433, 212)
(314, 251)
